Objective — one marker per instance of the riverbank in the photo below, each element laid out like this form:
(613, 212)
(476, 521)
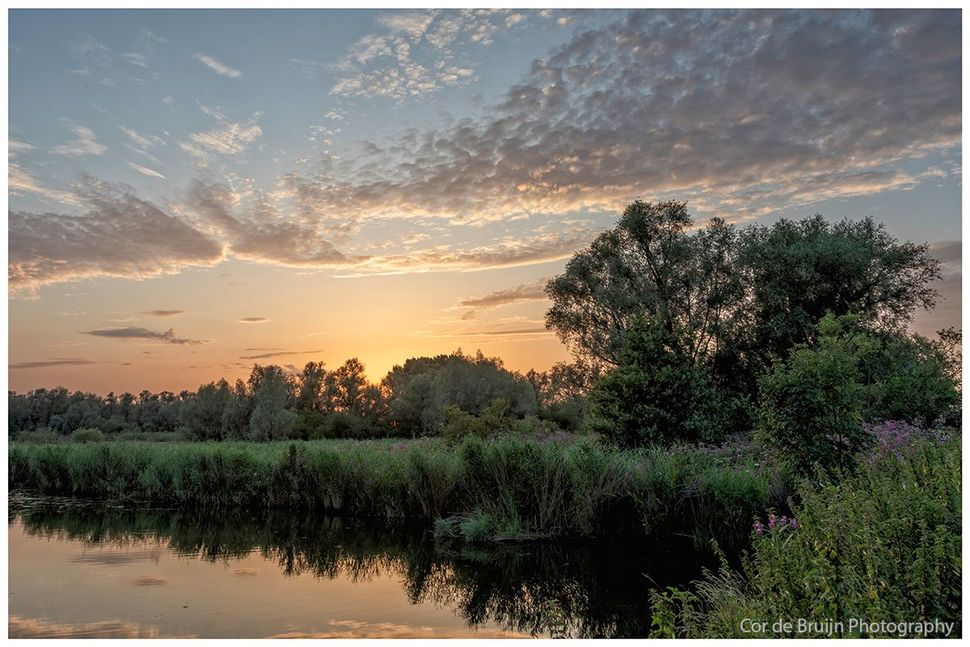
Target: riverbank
(504, 488)
(876, 554)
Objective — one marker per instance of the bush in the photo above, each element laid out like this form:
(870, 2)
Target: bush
(495, 419)
(86, 436)
(907, 377)
(42, 435)
(811, 404)
(883, 545)
(656, 395)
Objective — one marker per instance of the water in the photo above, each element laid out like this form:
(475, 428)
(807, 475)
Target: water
(81, 569)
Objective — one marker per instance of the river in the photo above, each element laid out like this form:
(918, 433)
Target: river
(86, 569)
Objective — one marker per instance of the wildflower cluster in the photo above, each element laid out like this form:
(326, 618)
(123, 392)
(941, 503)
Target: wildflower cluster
(895, 439)
(779, 523)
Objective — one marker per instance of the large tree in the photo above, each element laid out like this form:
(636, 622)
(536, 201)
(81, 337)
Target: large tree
(796, 272)
(737, 296)
(648, 265)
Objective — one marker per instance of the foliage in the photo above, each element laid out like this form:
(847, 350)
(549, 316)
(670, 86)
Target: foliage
(513, 486)
(421, 391)
(270, 419)
(656, 394)
(908, 377)
(811, 403)
(883, 545)
(86, 436)
(648, 265)
(814, 403)
(737, 297)
(799, 271)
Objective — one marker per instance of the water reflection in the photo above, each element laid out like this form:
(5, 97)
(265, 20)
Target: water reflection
(549, 589)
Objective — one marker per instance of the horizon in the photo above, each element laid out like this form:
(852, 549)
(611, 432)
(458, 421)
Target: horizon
(184, 203)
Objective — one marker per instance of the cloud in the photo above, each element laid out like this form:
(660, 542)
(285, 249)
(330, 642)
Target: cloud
(950, 287)
(20, 181)
(136, 58)
(507, 252)
(145, 171)
(61, 361)
(84, 142)
(229, 138)
(259, 231)
(534, 291)
(217, 66)
(950, 253)
(134, 332)
(415, 55)
(513, 332)
(253, 320)
(163, 313)
(20, 627)
(120, 235)
(280, 354)
(740, 112)
(141, 143)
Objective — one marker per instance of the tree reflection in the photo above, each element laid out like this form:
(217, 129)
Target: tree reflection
(559, 589)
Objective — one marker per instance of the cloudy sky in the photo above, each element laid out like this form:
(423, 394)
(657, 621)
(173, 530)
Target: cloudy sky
(191, 192)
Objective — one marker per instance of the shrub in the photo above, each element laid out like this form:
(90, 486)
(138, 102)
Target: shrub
(41, 435)
(811, 404)
(86, 435)
(882, 545)
(656, 394)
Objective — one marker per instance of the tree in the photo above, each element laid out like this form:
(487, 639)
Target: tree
(799, 271)
(420, 391)
(350, 387)
(239, 408)
(270, 418)
(647, 266)
(736, 298)
(656, 394)
(310, 387)
(201, 414)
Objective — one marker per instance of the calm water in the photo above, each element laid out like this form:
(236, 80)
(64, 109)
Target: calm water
(89, 570)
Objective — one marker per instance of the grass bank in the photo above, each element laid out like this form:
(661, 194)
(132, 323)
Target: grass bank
(503, 488)
(881, 546)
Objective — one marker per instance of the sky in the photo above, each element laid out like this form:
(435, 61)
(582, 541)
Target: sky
(195, 191)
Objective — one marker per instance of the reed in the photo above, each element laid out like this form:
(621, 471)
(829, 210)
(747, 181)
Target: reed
(503, 488)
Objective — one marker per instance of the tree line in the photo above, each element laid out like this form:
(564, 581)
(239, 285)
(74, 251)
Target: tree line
(424, 396)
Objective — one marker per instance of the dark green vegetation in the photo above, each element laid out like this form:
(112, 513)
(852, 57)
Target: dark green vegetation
(558, 589)
(502, 488)
(686, 325)
(881, 545)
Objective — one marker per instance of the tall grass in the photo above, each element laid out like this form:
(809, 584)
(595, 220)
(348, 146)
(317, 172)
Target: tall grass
(505, 487)
(884, 545)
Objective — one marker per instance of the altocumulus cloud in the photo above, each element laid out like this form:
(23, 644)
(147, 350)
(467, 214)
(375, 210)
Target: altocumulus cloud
(739, 112)
(120, 235)
(742, 112)
(134, 332)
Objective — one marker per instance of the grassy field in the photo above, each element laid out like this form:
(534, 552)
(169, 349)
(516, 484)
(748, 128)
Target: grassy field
(504, 488)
